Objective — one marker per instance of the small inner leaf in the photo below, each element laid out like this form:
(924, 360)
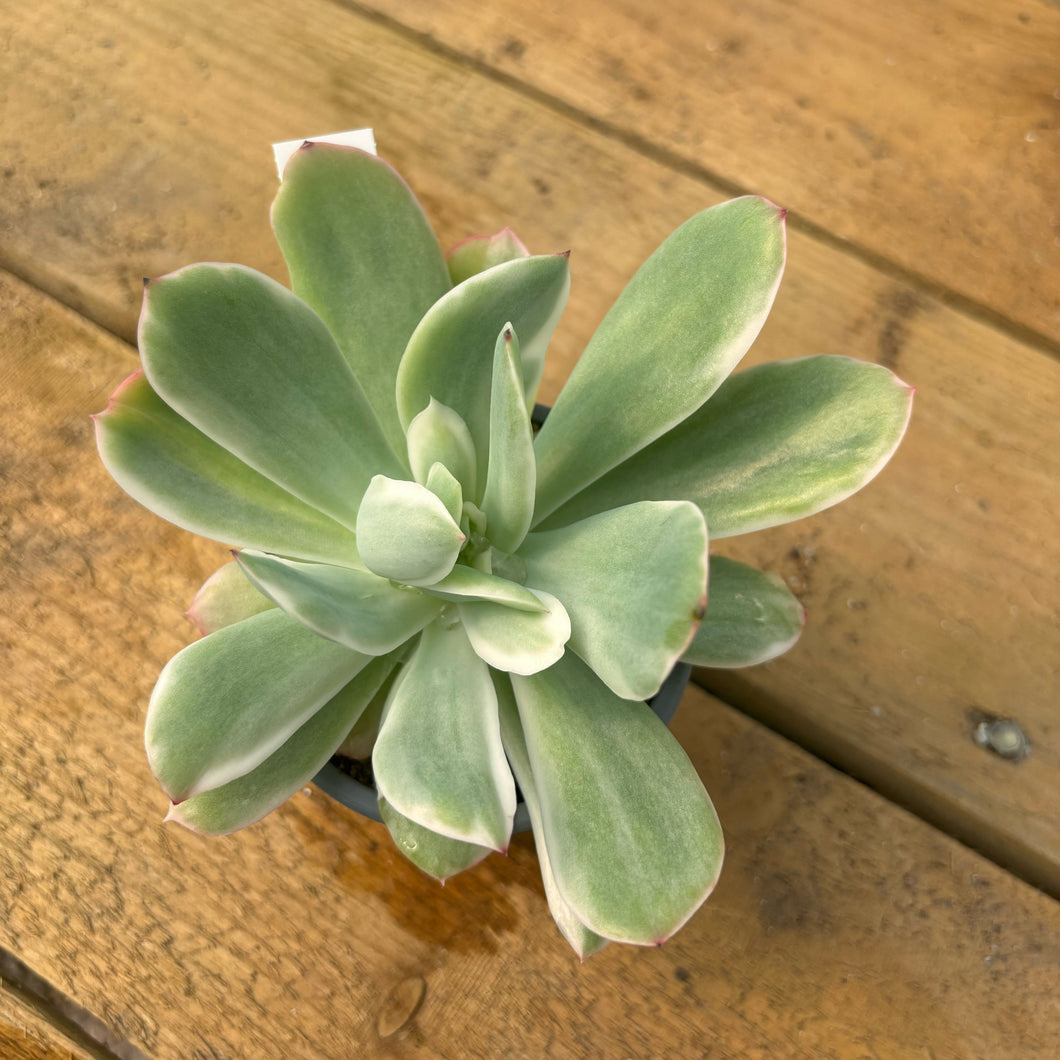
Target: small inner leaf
(508, 499)
(518, 642)
(355, 608)
(465, 583)
(450, 353)
(404, 532)
(438, 435)
(447, 489)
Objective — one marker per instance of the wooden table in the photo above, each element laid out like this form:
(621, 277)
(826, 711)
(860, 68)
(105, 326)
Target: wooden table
(883, 894)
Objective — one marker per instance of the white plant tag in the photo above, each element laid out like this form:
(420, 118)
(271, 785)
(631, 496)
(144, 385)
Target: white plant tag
(362, 138)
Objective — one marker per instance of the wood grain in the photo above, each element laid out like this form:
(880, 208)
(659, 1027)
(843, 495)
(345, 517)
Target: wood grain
(843, 927)
(925, 133)
(26, 1035)
(932, 595)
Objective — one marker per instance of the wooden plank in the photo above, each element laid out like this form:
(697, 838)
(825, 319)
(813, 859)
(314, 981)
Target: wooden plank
(924, 133)
(842, 927)
(958, 592)
(27, 1035)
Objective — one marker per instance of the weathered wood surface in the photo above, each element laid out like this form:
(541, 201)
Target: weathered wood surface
(932, 595)
(926, 134)
(842, 927)
(135, 140)
(28, 1034)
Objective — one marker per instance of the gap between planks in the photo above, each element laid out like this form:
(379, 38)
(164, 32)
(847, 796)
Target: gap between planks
(970, 307)
(68, 1020)
(1022, 859)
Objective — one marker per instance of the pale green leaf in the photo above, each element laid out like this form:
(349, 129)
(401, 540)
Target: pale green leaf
(173, 469)
(479, 253)
(678, 329)
(437, 855)
(361, 252)
(254, 368)
(404, 532)
(751, 617)
(584, 941)
(464, 583)
(633, 841)
(226, 597)
(777, 442)
(508, 499)
(250, 797)
(438, 435)
(438, 759)
(450, 354)
(225, 703)
(354, 608)
(633, 582)
(447, 489)
(520, 642)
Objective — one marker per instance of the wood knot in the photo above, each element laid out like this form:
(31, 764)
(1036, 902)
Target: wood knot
(400, 1005)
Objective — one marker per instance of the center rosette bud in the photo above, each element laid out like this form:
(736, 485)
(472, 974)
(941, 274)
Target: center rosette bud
(406, 533)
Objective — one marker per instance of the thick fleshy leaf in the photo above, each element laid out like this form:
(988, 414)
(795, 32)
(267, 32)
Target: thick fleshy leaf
(450, 354)
(678, 329)
(479, 253)
(438, 759)
(254, 368)
(633, 582)
(508, 499)
(751, 617)
(464, 583)
(250, 797)
(447, 489)
(173, 469)
(438, 435)
(633, 840)
(225, 703)
(518, 642)
(584, 941)
(437, 855)
(404, 532)
(354, 608)
(777, 442)
(226, 597)
(361, 252)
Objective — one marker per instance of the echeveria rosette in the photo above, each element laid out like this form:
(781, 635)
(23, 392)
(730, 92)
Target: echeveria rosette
(420, 577)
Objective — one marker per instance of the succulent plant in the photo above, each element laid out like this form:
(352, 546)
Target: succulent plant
(422, 578)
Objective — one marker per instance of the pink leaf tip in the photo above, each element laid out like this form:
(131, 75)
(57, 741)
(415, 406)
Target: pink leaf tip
(119, 390)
